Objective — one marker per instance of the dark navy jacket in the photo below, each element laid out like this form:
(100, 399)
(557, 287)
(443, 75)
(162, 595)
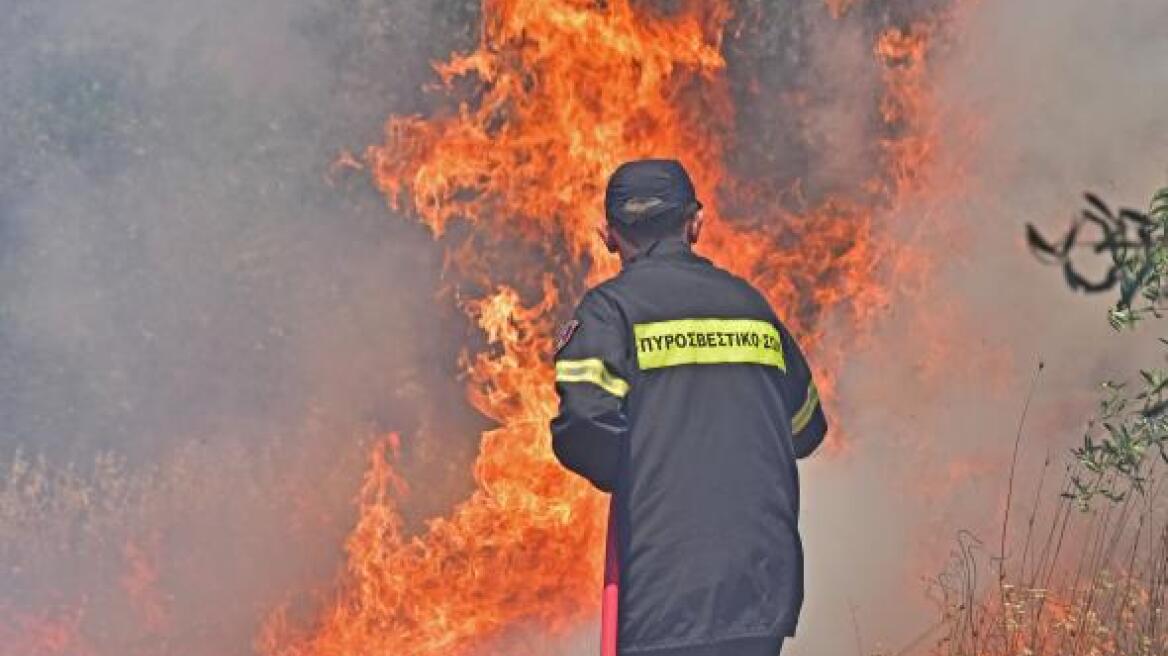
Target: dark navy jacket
(683, 394)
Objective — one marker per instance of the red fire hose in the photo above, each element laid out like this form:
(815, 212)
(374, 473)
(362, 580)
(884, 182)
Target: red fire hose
(608, 605)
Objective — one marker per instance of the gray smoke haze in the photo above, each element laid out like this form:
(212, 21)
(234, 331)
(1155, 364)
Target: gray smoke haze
(200, 324)
(1068, 97)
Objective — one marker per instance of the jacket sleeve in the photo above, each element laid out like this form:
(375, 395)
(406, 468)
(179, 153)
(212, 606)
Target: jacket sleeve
(592, 374)
(808, 423)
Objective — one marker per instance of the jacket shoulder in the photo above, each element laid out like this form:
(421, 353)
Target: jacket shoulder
(605, 294)
(603, 303)
(744, 290)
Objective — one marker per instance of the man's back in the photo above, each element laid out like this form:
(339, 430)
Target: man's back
(683, 394)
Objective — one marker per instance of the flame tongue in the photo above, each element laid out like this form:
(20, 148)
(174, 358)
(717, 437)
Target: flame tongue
(568, 90)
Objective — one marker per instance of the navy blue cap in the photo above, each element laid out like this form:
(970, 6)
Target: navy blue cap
(648, 189)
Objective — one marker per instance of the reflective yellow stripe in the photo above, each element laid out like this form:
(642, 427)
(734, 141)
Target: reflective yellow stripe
(592, 371)
(800, 419)
(708, 341)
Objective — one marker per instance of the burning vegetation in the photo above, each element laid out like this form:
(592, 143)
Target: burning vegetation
(556, 95)
(1087, 575)
(506, 175)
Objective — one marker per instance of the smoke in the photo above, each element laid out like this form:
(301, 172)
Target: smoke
(202, 321)
(1039, 101)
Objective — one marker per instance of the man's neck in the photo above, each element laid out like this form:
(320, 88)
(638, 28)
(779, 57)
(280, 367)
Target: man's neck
(667, 245)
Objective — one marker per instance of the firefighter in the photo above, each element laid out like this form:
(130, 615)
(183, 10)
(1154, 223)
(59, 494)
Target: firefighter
(684, 396)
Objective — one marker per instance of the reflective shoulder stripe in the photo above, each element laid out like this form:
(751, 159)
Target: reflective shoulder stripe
(592, 371)
(801, 418)
(708, 341)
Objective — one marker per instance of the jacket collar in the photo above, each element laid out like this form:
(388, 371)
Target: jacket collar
(668, 249)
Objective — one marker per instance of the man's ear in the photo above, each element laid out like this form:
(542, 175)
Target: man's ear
(606, 235)
(693, 229)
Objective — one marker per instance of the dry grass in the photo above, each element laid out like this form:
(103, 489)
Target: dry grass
(1077, 582)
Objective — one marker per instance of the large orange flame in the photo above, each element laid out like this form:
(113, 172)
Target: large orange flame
(565, 90)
